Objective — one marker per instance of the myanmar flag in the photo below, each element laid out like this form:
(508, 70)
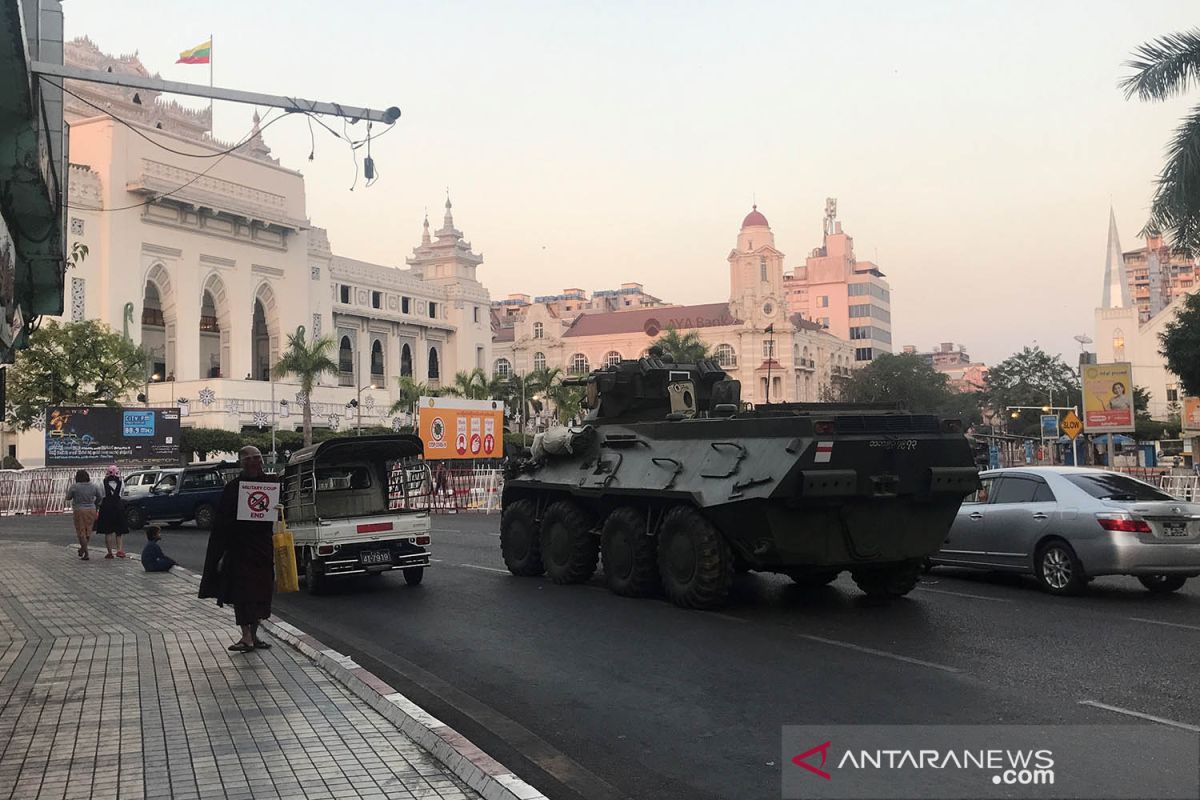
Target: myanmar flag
(199, 54)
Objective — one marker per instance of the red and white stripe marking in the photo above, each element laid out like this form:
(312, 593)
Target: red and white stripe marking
(823, 453)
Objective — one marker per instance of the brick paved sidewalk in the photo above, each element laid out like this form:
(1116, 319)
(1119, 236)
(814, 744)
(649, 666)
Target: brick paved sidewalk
(115, 683)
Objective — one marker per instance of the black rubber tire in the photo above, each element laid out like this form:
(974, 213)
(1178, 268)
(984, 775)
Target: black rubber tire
(1162, 584)
(1058, 570)
(888, 580)
(520, 544)
(629, 554)
(413, 575)
(314, 580)
(204, 516)
(814, 579)
(135, 518)
(570, 551)
(694, 561)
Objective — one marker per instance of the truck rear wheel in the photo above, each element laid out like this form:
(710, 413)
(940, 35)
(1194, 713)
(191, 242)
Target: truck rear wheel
(629, 554)
(693, 560)
(888, 580)
(519, 540)
(569, 549)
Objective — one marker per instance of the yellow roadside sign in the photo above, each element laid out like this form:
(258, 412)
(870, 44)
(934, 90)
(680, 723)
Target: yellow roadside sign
(1071, 424)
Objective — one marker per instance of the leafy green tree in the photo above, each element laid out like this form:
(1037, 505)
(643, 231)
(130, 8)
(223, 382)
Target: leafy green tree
(308, 362)
(197, 443)
(1033, 378)
(1180, 344)
(472, 385)
(898, 377)
(1164, 68)
(1148, 429)
(686, 348)
(74, 363)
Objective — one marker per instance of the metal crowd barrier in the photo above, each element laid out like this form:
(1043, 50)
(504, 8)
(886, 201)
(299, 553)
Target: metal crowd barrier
(1184, 487)
(35, 491)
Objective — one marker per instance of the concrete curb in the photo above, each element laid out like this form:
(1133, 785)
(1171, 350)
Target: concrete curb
(474, 767)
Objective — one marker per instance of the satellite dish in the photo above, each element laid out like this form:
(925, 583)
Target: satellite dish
(1083, 338)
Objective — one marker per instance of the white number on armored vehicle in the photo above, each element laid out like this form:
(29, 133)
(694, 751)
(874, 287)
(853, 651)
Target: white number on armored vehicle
(894, 444)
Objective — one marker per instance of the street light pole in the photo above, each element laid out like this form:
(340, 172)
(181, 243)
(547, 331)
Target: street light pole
(358, 407)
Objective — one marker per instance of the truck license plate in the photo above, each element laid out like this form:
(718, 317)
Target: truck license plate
(1175, 529)
(375, 557)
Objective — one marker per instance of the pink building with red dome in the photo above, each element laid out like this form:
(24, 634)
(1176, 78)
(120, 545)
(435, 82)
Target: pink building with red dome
(776, 355)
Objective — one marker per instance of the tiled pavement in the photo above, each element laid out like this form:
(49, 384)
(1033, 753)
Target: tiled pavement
(115, 683)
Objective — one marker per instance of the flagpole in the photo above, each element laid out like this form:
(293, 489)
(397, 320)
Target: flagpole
(212, 123)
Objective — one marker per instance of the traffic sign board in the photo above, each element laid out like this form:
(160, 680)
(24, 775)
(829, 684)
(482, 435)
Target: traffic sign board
(1071, 424)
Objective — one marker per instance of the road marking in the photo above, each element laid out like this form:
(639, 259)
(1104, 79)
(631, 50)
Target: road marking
(489, 569)
(881, 653)
(965, 594)
(729, 617)
(1140, 715)
(1167, 624)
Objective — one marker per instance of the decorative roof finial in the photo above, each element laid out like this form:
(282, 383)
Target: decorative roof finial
(425, 232)
(448, 222)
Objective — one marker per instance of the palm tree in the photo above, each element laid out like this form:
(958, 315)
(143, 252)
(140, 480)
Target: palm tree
(308, 362)
(408, 393)
(472, 385)
(686, 348)
(1163, 68)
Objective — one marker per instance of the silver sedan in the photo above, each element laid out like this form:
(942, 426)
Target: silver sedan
(1067, 525)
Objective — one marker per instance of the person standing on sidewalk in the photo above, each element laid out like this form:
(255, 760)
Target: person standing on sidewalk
(239, 566)
(85, 497)
(111, 521)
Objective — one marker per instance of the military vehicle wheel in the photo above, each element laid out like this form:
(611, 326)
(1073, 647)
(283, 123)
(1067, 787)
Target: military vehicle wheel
(814, 579)
(569, 549)
(694, 561)
(628, 553)
(888, 580)
(519, 543)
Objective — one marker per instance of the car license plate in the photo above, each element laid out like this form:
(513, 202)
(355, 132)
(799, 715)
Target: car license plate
(375, 557)
(1175, 529)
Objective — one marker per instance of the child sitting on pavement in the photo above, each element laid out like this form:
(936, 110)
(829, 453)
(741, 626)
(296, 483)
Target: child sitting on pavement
(153, 558)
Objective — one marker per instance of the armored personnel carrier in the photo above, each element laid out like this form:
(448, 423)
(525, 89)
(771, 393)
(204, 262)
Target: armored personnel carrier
(674, 485)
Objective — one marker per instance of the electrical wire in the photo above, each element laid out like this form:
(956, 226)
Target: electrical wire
(132, 127)
(198, 176)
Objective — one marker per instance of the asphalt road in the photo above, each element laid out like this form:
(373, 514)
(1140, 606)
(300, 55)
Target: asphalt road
(588, 695)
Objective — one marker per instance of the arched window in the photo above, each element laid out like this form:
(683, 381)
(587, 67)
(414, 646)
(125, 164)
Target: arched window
(503, 368)
(725, 355)
(434, 372)
(768, 348)
(538, 330)
(406, 369)
(579, 364)
(346, 355)
(612, 358)
(377, 359)
(1118, 345)
(539, 361)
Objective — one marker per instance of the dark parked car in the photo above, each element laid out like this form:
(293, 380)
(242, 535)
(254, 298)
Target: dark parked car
(189, 493)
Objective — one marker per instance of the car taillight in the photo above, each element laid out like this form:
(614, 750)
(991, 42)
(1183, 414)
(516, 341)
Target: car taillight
(374, 527)
(324, 549)
(1122, 522)
(824, 426)
(422, 540)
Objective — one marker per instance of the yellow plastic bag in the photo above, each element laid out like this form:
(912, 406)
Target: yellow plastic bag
(286, 579)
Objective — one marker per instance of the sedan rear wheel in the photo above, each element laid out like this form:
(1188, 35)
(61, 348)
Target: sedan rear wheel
(1058, 569)
(1162, 584)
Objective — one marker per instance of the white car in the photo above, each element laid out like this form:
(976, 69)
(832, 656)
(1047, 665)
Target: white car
(137, 484)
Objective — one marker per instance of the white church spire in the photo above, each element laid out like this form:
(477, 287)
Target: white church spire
(1116, 280)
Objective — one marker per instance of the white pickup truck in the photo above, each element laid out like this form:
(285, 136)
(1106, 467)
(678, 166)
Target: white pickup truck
(358, 505)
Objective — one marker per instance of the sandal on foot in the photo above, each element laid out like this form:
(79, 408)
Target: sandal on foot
(110, 555)
(261, 645)
(84, 556)
(120, 554)
(240, 647)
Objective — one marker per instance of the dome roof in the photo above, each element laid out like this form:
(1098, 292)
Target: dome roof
(755, 219)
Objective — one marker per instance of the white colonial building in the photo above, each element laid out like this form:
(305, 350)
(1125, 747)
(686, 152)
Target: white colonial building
(209, 262)
(801, 360)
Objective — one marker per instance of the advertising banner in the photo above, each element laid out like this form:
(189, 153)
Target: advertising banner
(1049, 426)
(1108, 398)
(1191, 414)
(452, 427)
(83, 435)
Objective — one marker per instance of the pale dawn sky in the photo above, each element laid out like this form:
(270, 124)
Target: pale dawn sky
(974, 147)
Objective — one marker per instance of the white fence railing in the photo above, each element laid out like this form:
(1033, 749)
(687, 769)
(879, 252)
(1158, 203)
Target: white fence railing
(1185, 487)
(35, 491)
